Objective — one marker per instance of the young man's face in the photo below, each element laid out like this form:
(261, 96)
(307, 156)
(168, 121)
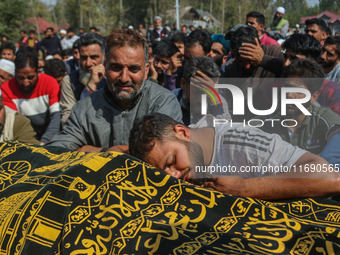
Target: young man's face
(329, 56)
(27, 79)
(172, 157)
(49, 33)
(90, 56)
(216, 53)
(8, 54)
(251, 21)
(126, 71)
(180, 46)
(161, 64)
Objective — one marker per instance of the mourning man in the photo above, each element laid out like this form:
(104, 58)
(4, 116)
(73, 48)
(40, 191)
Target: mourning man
(330, 58)
(34, 94)
(175, 149)
(90, 73)
(104, 119)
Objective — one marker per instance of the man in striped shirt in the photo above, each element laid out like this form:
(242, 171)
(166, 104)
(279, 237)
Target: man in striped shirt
(261, 165)
(33, 94)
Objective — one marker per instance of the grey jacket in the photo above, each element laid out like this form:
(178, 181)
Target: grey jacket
(96, 120)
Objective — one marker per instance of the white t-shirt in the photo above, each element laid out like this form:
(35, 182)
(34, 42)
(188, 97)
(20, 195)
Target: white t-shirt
(250, 152)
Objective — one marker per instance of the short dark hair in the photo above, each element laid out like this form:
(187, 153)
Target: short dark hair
(178, 37)
(31, 31)
(307, 69)
(244, 34)
(148, 129)
(165, 49)
(319, 22)
(26, 56)
(204, 64)
(67, 52)
(334, 40)
(259, 17)
(55, 67)
(50, 28)
(7, 46)
(199, 36)
(92, 38)
(303, 44)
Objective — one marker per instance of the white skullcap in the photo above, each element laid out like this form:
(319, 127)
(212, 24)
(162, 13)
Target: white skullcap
(62, 31)
(7, 66)
(281, 10)
(130, 27)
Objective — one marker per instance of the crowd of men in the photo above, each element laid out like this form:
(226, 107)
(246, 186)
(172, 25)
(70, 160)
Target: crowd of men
(137, 91)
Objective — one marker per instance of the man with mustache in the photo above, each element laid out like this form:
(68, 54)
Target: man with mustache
(279, 26)
(90, 75)
(104, 119)
(330, 58)
(33, 94)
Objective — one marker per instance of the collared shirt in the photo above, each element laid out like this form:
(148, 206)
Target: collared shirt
(313, 132)
(97, 120)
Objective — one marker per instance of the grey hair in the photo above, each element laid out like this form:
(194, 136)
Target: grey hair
(157, 18)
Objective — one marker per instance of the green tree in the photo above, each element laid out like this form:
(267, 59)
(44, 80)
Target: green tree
(12, 15)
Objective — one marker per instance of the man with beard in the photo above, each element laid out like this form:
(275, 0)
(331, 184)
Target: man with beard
(15, 126)
(158, 33)
(309, 132)
(279, 26)
(90, 75)
(182, 152)
(219, 49)
(102, 121)
(33, 94)
(317, 28)
(330, 58)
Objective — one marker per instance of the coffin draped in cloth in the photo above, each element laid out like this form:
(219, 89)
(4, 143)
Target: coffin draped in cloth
(54, 201)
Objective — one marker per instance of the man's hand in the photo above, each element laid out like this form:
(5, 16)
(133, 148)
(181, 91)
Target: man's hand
(152, 72)
(201, 81)
(89, 148)
(175, 62)
(226, 184)
(252, 52)
(97, 73)
(118, 148)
